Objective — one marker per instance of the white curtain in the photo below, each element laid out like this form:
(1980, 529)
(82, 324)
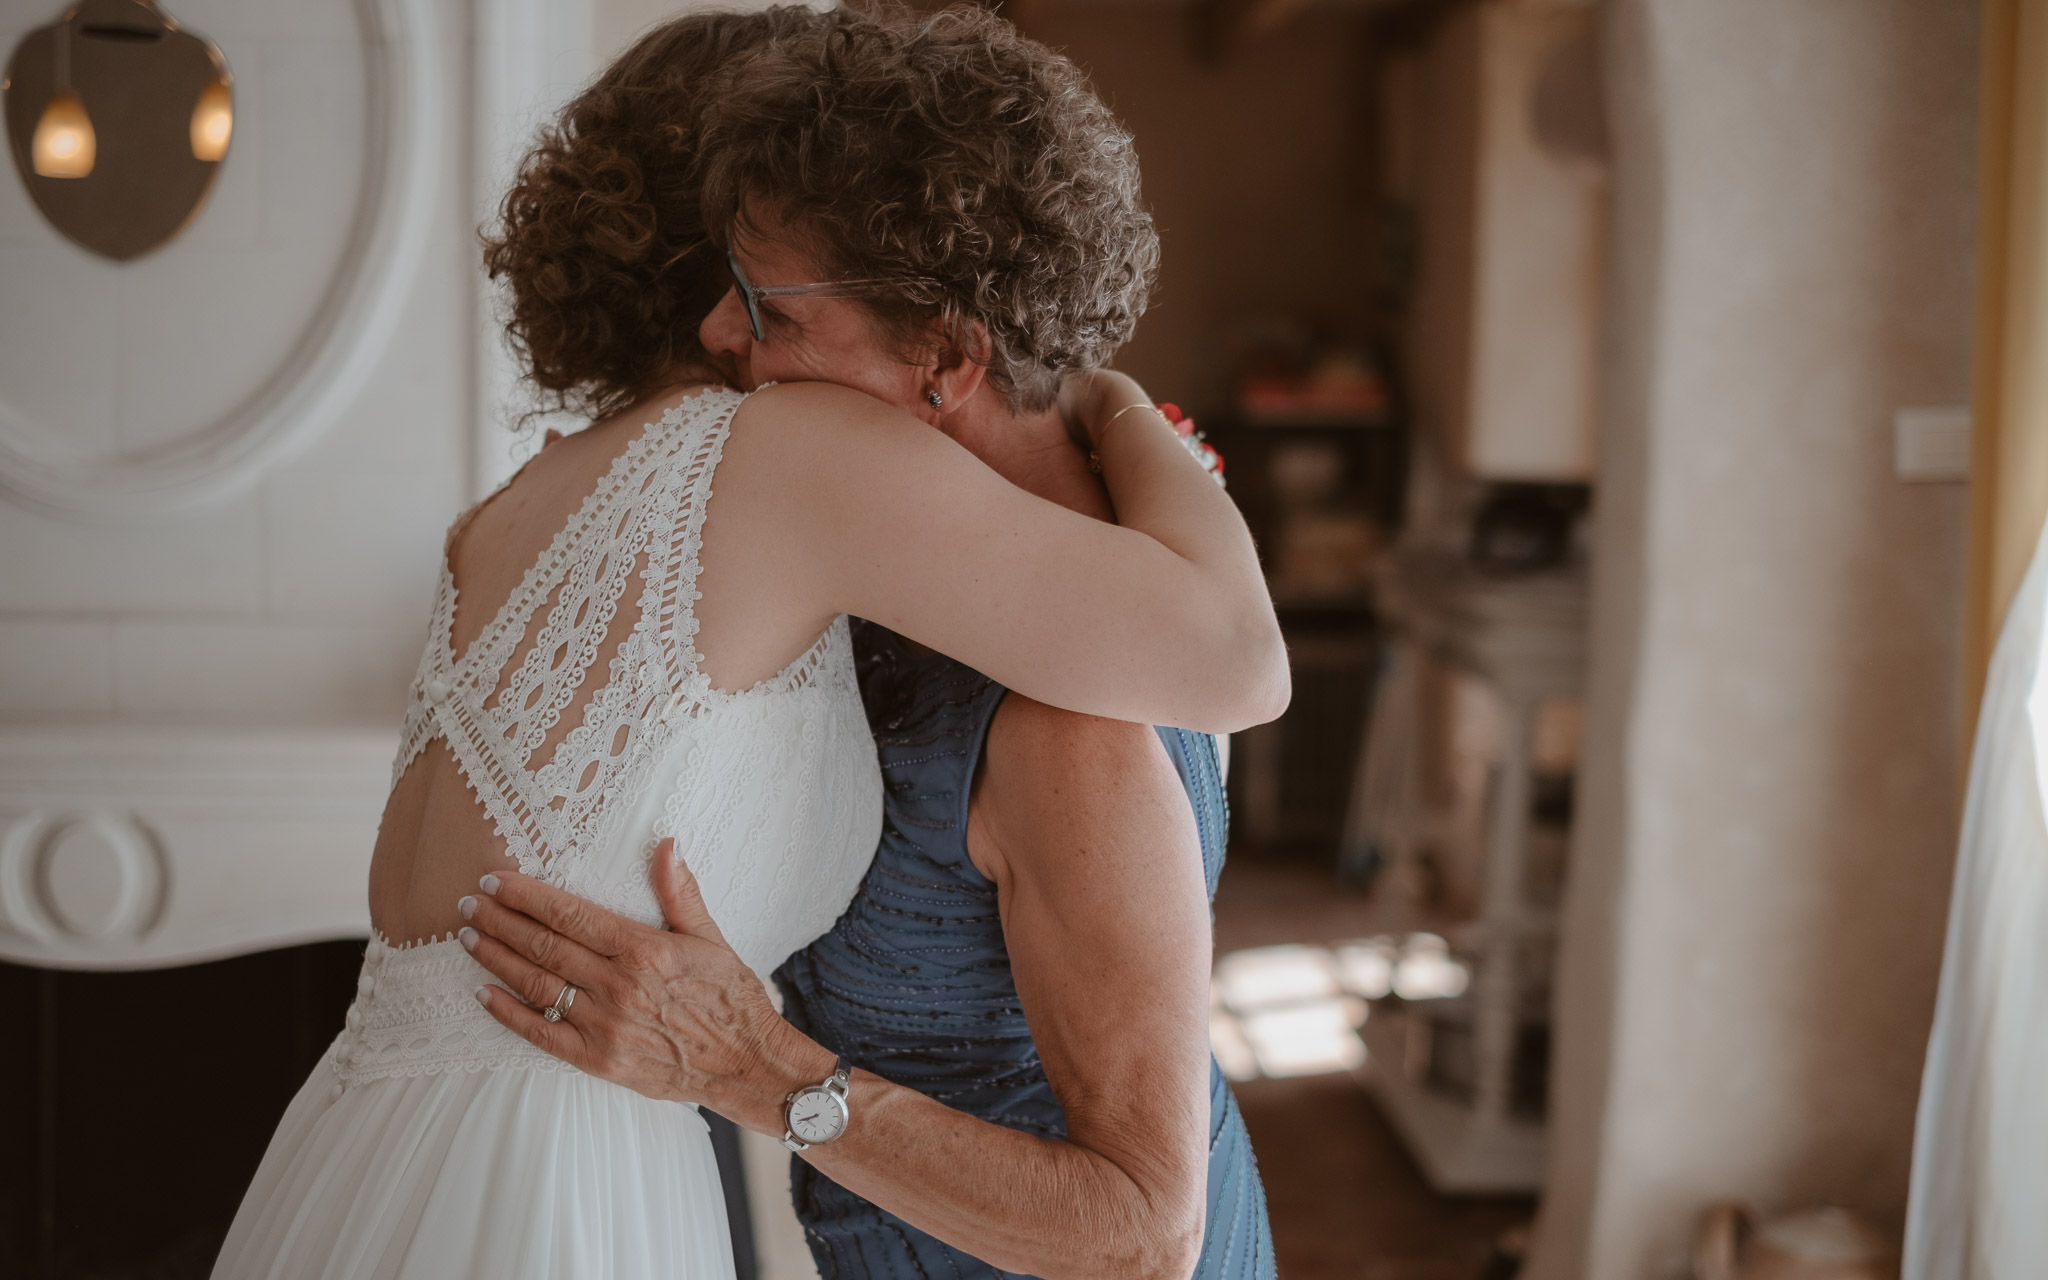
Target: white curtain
(1979, 1201)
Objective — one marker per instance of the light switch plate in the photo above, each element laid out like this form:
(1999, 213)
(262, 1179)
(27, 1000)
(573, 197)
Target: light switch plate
(1931, 443)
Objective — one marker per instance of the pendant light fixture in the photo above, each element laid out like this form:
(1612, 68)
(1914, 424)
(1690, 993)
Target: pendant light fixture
(213, 120)
(64, 145)
(124, 179)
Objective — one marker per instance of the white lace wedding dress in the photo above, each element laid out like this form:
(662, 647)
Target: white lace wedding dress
(431, 1143)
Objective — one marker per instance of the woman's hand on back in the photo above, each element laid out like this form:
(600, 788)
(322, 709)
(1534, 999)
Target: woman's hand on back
(673, 1014)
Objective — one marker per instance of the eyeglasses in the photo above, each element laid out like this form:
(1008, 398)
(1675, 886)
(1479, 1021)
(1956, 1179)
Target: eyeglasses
(751, 294)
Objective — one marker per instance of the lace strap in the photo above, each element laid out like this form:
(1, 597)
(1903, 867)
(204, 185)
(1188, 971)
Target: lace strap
(629, 722)
(672, 592)
(483, 659)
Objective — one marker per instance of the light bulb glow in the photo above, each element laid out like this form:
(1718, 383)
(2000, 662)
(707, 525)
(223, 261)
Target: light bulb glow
(213, 121)
(64, 145)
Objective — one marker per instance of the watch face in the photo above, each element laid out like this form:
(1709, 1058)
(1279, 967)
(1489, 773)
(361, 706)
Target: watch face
(817, 1115)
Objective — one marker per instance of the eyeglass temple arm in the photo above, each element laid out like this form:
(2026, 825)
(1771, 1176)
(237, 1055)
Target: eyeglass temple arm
(831, 286)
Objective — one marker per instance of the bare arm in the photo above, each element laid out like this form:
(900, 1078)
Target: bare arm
(860, 509)
(1084, 827)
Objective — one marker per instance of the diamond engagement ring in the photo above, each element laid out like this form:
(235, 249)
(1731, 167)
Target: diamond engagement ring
(556, 1011)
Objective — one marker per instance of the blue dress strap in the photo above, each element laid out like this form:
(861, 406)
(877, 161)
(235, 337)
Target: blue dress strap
(1196, 758)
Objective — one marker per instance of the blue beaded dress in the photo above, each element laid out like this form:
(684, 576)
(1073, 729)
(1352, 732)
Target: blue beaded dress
(913, 982)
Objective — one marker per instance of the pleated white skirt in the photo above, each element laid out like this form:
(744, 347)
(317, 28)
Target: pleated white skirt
(431, 1144)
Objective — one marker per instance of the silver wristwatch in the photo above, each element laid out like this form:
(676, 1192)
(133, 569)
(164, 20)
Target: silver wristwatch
(817, 1113)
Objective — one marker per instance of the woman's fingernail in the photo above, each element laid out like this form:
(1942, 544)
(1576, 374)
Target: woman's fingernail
(465, 907)
(483, 995)
(489, 884)
(467, 936)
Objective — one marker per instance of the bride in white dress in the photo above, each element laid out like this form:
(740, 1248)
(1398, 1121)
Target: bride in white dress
(614, 659)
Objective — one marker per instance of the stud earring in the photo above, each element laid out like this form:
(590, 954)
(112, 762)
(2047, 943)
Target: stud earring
(934, 399)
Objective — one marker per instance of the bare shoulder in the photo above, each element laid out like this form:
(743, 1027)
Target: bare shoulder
(806, 412)
(1041, 755)
(1062, 795)
(1080, 742)
(844, 473)
(822, 468)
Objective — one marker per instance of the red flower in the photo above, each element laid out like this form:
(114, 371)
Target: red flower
(1184, 427)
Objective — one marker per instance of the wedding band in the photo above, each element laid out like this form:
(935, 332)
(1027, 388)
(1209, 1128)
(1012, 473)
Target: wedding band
(555, 1011)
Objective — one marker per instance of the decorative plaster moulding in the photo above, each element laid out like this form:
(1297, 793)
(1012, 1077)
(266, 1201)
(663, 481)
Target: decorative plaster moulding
(125, 846)
(348, 332)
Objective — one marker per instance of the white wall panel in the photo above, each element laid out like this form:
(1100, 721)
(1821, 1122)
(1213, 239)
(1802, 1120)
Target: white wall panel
(47, 350)
(56, 667)
(326, 671)
(205, 676)
(354, 543)
(204, 560)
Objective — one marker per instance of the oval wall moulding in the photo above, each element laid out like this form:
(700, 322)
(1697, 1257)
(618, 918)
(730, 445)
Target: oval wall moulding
(88, 877)
(335, 352)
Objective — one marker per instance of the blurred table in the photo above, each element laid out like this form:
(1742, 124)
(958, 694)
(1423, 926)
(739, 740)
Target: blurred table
(1524, 637)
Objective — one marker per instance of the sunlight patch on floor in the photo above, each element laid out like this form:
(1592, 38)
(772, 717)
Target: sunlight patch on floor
(1295, 1010)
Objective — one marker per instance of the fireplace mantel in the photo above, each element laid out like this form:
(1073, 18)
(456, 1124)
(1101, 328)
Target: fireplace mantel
(135, 845)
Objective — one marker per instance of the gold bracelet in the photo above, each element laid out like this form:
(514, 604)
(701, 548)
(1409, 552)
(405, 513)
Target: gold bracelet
(1127, 408)
(1094, 458)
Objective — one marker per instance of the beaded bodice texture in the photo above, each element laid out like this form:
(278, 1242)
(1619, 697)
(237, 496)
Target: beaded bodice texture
(914, 982)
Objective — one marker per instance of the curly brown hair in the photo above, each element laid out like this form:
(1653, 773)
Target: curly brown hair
(948, 148)
(601, 240)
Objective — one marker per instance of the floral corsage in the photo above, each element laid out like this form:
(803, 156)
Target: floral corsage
(1195, 442)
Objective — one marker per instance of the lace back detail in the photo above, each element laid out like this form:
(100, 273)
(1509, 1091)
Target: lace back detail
(644, 520)
(771, 792)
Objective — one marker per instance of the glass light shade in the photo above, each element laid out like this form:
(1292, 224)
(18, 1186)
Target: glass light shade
(124, 182)
(64, 145)
(213, 121)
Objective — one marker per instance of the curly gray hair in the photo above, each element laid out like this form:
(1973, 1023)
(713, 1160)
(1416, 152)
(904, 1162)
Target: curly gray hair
(951, 153)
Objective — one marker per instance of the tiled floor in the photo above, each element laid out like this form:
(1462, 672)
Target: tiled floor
(1346, 1200)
